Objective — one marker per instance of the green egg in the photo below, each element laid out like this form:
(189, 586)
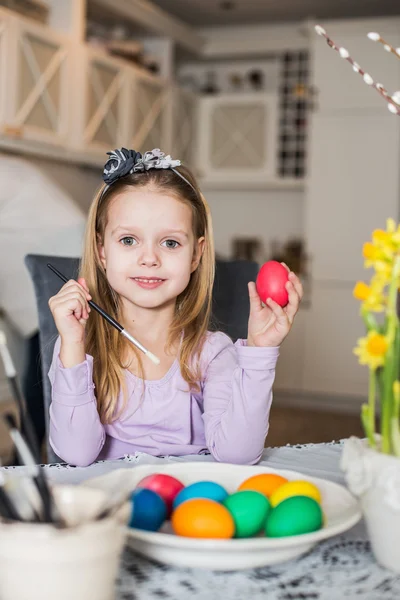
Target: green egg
(249, 510)
(294, 516)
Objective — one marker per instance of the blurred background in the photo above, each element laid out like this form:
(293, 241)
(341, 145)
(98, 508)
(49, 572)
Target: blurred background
(296, 155)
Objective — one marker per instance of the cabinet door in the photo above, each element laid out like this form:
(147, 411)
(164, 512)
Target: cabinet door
(102, 103)
(150, 114)
(38, 80)
(352, 189)
(184, 110)
(237, 139)
(4, 59)
(338, 87)
(290, 366)
(333, 326)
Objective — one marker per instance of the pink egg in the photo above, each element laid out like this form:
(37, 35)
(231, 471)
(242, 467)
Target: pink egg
(164, 485)
(271, 281)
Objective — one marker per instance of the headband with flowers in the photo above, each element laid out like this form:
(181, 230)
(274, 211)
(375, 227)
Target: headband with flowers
(123, 162)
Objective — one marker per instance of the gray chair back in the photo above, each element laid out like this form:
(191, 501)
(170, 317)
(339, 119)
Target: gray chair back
(230, 307)
(47, 284)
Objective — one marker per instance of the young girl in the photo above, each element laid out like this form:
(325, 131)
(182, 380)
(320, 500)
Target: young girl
(149, 262)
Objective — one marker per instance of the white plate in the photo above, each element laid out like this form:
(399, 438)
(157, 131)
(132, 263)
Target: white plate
(341, 511)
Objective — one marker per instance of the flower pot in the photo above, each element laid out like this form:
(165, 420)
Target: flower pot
(375, 479)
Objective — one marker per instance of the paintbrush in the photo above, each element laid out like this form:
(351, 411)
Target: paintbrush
(50, 511)
(112, 321)
(11, 374)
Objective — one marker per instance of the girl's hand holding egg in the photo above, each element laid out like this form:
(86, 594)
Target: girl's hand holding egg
(274, 302)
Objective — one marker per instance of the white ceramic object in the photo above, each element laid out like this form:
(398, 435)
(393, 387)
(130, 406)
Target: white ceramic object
(40, 562)
(375, 478)
(340, 508)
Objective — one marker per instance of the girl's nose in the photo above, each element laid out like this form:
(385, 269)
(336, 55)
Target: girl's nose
(149, 257)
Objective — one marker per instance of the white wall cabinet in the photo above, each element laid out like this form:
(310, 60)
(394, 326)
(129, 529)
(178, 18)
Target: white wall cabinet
(290, 367)
(237, 139)
(333, 327)
(352, 188)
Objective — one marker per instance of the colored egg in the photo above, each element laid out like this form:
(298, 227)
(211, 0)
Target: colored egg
(265, 483)
(249, 510)
(149, 510)
(203, 518)
(164, 485)
(271, 281)
(295, 488)
(294, 516)
(201, 489)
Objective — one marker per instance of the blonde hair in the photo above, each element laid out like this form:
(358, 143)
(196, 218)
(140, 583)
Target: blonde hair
(193, 306)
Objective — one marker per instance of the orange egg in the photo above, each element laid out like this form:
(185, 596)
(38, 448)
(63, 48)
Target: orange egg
(265, 483)
(202, 518)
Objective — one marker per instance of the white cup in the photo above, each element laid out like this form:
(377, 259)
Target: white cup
(79, 562)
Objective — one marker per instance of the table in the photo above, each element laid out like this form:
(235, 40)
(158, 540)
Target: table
(340, 568)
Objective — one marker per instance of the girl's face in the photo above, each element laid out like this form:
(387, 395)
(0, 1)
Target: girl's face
(149, 250)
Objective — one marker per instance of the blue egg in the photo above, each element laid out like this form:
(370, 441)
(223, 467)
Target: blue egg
(149, 510)
(201, 489)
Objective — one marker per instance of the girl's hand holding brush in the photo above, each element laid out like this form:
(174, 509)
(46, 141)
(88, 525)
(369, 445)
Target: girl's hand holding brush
(70, 310)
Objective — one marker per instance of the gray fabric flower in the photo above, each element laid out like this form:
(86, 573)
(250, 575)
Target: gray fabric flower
(155, 159)
(120, 163)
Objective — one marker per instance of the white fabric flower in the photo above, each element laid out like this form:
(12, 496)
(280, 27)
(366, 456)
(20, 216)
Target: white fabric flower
(355, 465)
(389, 481)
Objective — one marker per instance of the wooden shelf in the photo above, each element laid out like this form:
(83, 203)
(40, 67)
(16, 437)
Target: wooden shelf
(152, 19)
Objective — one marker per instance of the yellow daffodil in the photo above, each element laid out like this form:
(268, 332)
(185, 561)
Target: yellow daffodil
(378, 349)
(371, 350)
(381, 237)
(383, 271)
(371, 295)
(361, 291)
(380, 252)
(371, 252)
(393, 231)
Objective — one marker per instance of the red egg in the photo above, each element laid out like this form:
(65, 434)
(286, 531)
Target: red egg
(271, 281)
(164, 485)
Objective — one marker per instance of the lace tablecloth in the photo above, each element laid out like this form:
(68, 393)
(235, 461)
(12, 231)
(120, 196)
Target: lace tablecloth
(340, 568)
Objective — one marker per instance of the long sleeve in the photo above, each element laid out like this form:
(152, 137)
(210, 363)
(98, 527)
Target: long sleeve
(76, 433)
(237, 394)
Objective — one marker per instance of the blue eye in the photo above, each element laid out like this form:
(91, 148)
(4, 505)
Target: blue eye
(171, 244)
(128, 241)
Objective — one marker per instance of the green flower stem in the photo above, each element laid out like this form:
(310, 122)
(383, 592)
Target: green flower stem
(395, 431)
(390, 368)
(369, 320)
(366, 422)
(368, 416)
(397, 353)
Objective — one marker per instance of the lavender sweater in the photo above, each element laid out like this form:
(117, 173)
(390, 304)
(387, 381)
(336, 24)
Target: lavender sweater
(228, 417)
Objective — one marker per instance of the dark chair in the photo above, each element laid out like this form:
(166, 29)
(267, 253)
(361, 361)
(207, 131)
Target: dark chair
(230, 307)
(46, 284)
(231, 297)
